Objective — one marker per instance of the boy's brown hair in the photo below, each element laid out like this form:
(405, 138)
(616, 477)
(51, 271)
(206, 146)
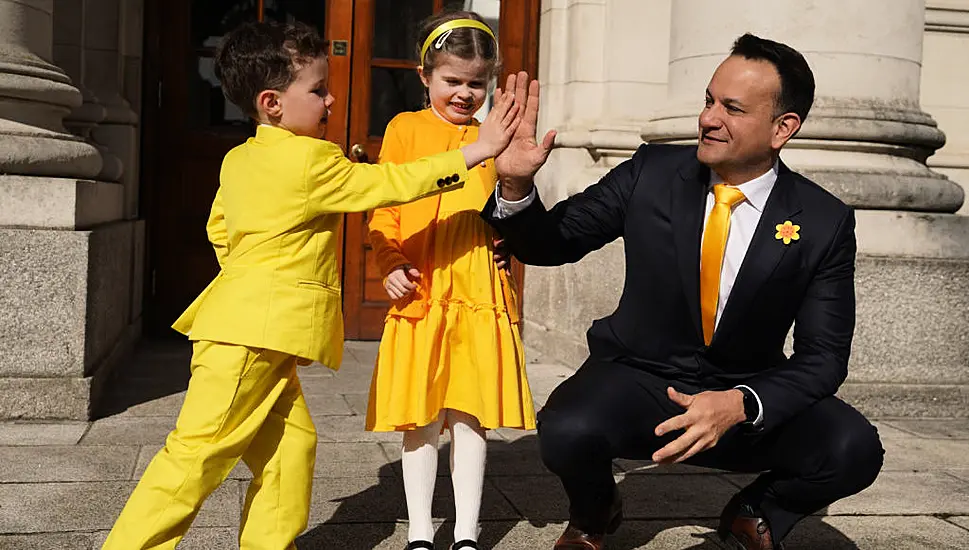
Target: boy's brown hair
(264, 56)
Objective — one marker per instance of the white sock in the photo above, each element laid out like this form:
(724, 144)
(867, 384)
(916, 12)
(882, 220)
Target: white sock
(419, 462)
(468, 449)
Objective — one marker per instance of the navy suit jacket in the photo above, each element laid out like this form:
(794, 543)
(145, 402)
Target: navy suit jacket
(655, 201)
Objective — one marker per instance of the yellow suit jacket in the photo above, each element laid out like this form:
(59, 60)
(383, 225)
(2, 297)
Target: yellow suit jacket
(275, 227)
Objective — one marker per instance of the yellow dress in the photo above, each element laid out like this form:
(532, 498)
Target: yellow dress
(456, 342)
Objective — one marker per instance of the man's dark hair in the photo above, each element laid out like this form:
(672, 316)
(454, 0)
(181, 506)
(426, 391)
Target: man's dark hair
(797, 80)
(264, 56)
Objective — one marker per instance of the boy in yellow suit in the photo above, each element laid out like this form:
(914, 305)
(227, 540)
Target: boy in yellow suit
(276, 301)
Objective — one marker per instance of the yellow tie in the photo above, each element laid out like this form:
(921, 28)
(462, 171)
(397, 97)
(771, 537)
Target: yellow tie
(711, 254)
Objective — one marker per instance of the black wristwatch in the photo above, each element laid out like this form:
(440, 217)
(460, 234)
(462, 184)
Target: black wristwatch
(751, 409)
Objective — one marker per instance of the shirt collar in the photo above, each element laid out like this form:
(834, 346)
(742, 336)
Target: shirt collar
(756, 190)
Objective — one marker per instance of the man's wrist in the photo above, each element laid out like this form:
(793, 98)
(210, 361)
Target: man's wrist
(514, 190)
(737, 405)
(753, 408)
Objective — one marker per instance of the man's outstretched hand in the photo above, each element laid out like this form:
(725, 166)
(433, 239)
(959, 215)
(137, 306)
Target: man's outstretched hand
(519, 162)
(708, 416)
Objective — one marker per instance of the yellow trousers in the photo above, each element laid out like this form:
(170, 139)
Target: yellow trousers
(241, 403)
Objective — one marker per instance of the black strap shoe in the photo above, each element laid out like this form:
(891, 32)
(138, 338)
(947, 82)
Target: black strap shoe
(466, 543)
(416, 544)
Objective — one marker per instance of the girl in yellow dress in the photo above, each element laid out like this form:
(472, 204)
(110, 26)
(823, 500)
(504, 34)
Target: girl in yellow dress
(451, 353)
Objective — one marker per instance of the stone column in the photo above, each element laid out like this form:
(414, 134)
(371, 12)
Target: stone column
(65, 258)
(866, 140)
(103, 75)
(602, 65)
(35, 96)
(944, 77)
(70, 55)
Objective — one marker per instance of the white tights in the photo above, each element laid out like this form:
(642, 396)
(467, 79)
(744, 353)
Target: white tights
(419, 462)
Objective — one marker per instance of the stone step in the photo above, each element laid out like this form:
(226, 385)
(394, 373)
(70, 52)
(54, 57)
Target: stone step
(881, 400)
(62, 398)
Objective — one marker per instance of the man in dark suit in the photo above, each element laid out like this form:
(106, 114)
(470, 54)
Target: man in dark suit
(725, 249)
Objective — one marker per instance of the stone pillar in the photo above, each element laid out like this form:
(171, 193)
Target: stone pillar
(35, 96)
(944, 77)
(69, 54)
(65, 256)
(866, 140)
(103, 75)
(602, 65)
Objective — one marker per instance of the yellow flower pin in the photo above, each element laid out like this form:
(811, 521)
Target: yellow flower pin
(787, 232)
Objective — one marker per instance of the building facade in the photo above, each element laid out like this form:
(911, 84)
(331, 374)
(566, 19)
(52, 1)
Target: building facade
(112, 127)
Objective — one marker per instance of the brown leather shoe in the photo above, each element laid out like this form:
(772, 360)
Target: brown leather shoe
(743, 528)
(576, 539)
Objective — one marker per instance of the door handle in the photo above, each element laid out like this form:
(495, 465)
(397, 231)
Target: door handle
(358, 153)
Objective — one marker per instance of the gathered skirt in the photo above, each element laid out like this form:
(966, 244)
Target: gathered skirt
(465, 353)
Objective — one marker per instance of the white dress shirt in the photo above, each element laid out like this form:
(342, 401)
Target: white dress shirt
(743, 222)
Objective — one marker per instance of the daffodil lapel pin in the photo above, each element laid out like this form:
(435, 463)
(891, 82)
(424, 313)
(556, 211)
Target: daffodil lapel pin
(787, 232)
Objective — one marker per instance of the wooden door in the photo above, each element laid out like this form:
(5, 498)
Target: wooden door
(384, 83)
(188, 128)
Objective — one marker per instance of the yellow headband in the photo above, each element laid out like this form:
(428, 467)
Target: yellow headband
(450, 26)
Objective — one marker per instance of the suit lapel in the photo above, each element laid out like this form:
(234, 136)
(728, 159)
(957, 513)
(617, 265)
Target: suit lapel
(764, 253)
(687, 207)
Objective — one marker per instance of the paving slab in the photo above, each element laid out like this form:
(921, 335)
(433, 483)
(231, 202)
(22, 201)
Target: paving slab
(353, 380)
(908, 493)
(314, 370)
(364, 353)
(339, 460)
(887, 431)
(94, 506)
(375, 499)
(933, 428)
(383, 535)
(349, 429)
(63, 463)
(328, 404)
(513, 434)
(919, 454)
(961, 521)
(129, 430)
(644, 497)
(633, 534)
(958, 473)
(166, 405)
(381, 499)
(358, 402)
(49, 541)
(197, 538)
(545, 377)
(877, 533)
(38, 433)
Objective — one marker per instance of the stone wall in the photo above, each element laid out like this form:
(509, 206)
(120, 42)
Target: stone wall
(71, 243)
